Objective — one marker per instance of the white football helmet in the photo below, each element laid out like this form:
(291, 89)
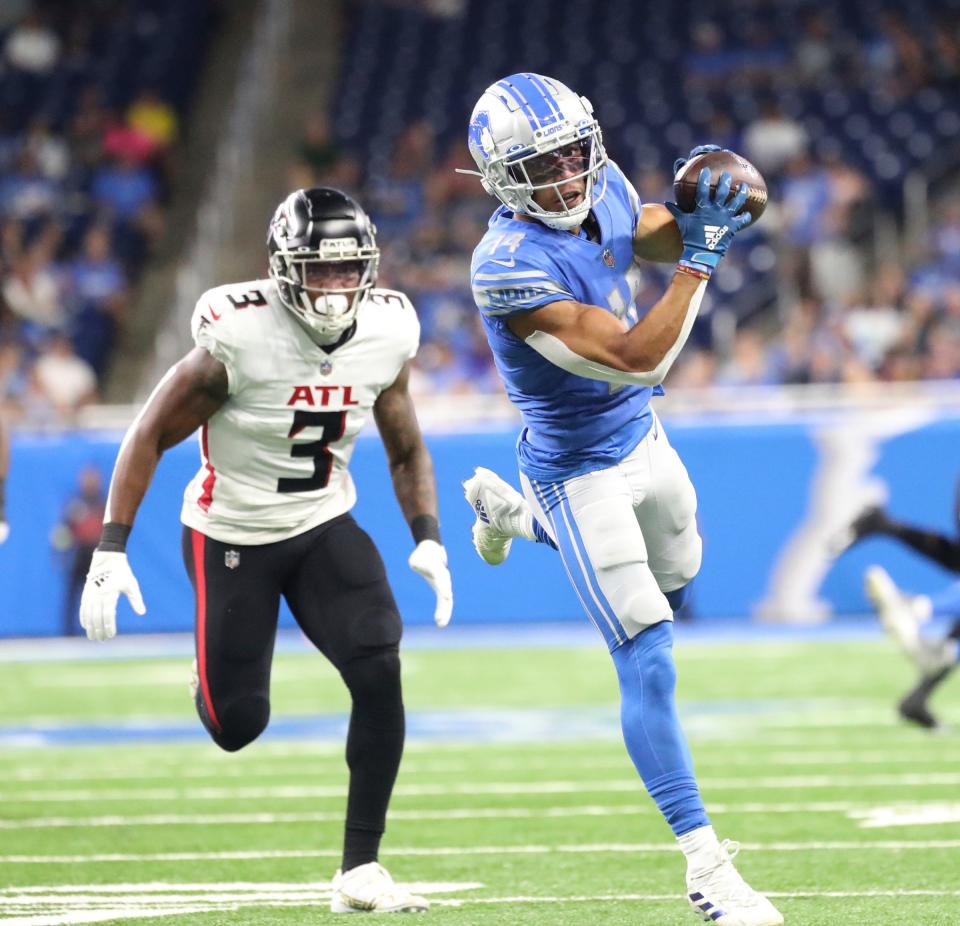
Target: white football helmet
(530, 133)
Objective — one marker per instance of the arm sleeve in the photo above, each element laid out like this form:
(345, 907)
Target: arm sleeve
(504, 287)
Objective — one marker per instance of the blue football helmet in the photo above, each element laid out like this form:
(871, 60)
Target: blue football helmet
(530, 133)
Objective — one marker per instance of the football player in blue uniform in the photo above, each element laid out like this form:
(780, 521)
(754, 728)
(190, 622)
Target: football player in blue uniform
(555, 278)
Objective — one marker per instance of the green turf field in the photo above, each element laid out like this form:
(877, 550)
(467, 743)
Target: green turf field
(845, 816)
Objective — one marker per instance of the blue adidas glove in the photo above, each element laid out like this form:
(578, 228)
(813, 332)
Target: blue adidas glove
(709, 229)
(700, 149)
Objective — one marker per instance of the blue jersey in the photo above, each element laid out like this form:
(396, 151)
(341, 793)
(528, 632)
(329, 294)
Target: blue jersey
(572, 425)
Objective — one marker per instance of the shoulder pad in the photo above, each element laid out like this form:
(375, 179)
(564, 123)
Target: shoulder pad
(390, 297)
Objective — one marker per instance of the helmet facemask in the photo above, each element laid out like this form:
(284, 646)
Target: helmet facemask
(326, 301)
(533, 171)
(524, 134)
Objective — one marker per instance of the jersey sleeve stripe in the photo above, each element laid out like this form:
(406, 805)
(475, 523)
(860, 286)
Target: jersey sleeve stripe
(513, 275)
(505, 298)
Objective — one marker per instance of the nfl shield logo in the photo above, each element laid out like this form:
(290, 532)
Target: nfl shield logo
(231, 559)
(326, 367)
(608, 257)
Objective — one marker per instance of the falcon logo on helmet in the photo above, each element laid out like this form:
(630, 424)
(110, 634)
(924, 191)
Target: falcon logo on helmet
(529, 133)
(323, 258)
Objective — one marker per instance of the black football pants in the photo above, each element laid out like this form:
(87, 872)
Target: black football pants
(334, 581)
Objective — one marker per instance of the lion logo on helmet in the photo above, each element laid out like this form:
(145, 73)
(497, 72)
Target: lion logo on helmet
(479, 136)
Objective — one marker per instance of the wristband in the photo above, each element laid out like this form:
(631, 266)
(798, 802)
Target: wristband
(701, 259)
(425, 527)
(113, 538)
(692, 270)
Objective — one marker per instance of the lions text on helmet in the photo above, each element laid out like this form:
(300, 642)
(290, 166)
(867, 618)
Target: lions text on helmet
(323, 258)
(539, 149)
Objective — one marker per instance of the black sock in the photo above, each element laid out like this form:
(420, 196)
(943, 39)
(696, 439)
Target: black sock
(945, 551)
(359, 846)
(374, 749)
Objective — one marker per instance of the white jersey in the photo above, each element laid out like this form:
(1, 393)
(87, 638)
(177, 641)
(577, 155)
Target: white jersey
(275, 456)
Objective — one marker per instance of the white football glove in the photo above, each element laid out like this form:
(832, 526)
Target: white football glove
(429, 559)
(109, 577)
(4, 530)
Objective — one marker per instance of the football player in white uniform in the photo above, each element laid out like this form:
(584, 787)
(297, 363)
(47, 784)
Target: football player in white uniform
(284, 374)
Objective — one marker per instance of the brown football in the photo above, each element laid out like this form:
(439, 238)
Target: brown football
(740, 170)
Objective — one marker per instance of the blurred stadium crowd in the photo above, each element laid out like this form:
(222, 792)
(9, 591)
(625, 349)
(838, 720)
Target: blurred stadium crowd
(90, 102)
(838, 104)
(842, 106)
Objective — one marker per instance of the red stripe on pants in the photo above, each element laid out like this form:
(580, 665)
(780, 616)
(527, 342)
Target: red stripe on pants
(201, 575)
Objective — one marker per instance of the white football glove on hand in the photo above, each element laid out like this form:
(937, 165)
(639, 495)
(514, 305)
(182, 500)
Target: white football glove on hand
(429, 559)
(4, 530)
(110, 576)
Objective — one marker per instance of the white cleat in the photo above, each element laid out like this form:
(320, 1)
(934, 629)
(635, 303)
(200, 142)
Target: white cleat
(898, 614)
(719, 895)
(502, 514)
(370, 889)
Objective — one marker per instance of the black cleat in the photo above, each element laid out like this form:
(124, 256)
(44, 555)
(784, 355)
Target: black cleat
(913, 706)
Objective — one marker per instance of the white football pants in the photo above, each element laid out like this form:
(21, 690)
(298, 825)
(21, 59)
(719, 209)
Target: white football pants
(627, 535)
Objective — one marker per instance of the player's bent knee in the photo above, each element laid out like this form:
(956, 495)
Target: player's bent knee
(639, 608)
(684, 566)
(241, 721)
(373, 677)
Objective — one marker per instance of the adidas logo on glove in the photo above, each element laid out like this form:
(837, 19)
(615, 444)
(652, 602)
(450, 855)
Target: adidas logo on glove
(713, 234)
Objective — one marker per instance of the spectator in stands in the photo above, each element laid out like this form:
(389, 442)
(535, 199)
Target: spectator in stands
(32, 46)
(77, 535)
(62, 381)
(27, 192)
(97, 287)
(154, 118)
(13, 378)
(128, 190)
(774, 139)
(48, 150)
(31, 290)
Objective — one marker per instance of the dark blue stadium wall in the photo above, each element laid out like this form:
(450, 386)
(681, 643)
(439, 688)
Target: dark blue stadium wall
(758, 480)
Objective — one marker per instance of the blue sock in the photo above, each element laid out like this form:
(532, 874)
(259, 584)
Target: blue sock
(651, 731)
(541, 535)
(678, 597)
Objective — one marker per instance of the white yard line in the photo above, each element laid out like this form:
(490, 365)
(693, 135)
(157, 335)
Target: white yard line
(310, 769)
(889, 845)
(453, 813)
(590, 786)
(930, 814)
(657, 898)
(91, 904)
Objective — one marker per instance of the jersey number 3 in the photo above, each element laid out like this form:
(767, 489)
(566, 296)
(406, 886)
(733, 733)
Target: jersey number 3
(333, 424)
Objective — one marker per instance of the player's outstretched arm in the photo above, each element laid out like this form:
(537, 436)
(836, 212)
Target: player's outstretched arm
(413, 482)
(190, 393)
(590, 342)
